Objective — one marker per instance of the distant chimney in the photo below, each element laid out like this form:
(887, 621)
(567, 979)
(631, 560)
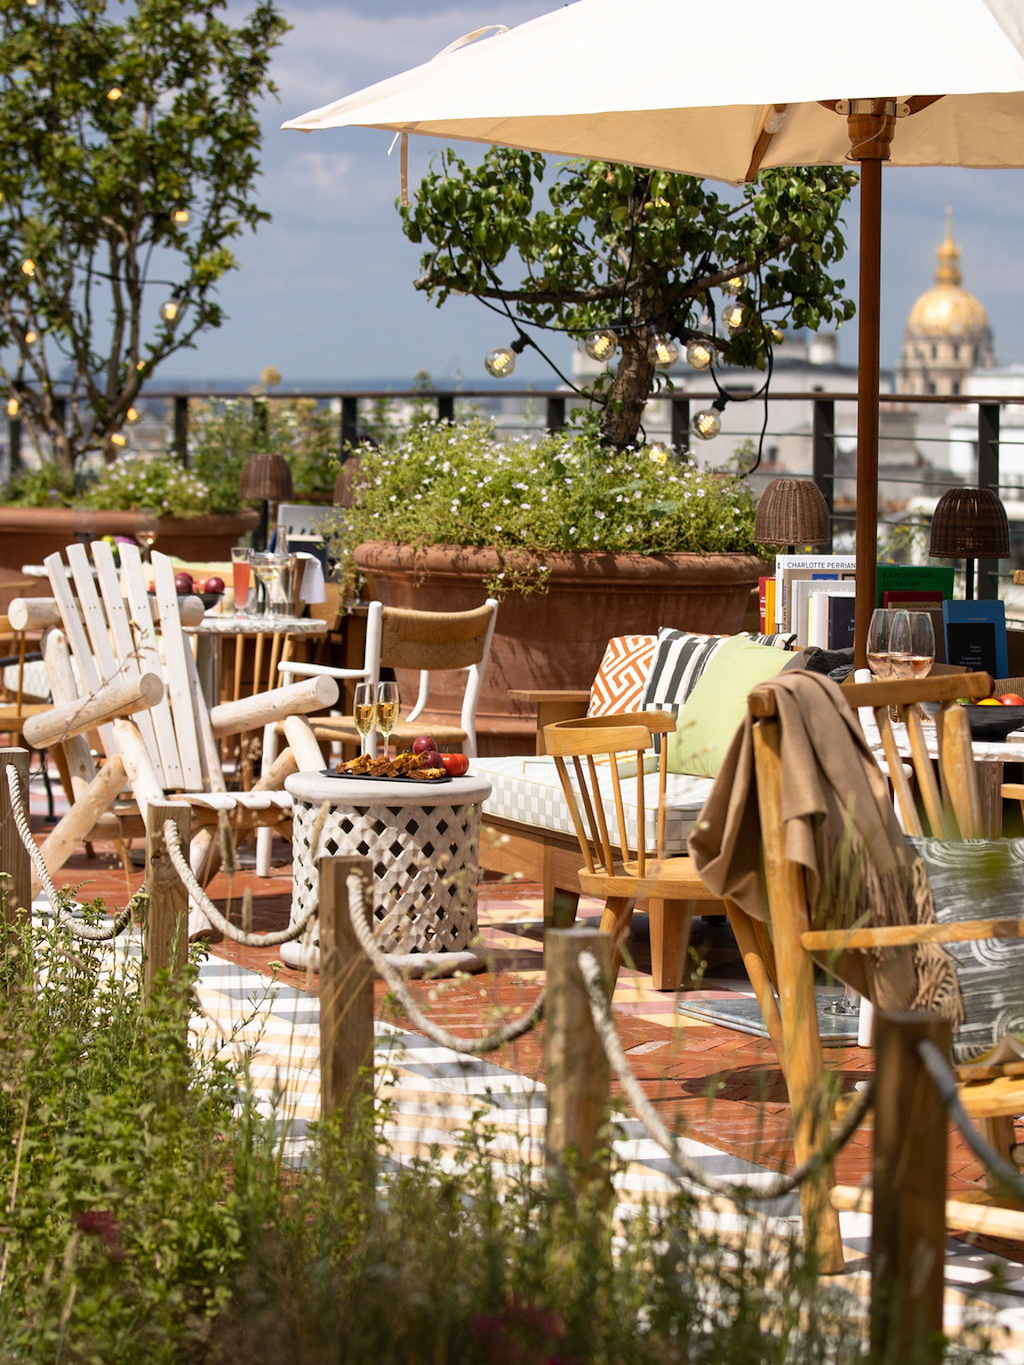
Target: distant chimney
(823, 348)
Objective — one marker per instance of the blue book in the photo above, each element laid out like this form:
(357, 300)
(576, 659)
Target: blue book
(976, 636)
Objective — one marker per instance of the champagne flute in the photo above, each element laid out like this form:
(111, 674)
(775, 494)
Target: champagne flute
(387, 710)
(241, 575)
(364, 712)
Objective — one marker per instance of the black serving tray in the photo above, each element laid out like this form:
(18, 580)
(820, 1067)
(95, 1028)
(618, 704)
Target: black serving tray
(372, 777)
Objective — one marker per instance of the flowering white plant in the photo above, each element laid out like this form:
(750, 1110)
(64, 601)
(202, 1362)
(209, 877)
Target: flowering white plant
(450, 484)
(159, 484)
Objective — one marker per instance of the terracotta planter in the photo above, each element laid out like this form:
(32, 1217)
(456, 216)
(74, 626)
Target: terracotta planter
(29, 534)
(555, 639)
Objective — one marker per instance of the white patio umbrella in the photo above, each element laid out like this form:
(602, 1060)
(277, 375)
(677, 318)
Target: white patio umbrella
(724, 90)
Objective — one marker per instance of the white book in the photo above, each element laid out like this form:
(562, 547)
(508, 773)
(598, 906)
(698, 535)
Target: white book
(820, 611)
(793, 568)
(805, 592)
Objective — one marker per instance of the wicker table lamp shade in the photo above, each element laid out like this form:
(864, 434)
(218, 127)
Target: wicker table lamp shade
(969, 524)
(265, 478)
(792, 512)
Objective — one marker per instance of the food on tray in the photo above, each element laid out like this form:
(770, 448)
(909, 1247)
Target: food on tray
(402, 765)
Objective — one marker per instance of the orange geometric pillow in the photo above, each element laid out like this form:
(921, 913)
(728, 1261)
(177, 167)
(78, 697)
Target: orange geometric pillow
(619, 685)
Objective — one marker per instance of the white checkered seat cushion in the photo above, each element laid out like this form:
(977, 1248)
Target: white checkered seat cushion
(527, 791)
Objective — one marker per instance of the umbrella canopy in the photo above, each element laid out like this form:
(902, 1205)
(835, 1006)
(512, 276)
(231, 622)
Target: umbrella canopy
(723, 91)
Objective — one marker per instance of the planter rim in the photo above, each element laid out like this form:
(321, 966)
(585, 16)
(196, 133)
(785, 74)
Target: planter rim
(566, 566)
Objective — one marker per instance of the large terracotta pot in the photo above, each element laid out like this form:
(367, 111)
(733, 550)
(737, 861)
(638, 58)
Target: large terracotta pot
(555, 639)
(29, 534)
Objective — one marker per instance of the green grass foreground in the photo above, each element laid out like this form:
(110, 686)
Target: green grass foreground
(147, 1215)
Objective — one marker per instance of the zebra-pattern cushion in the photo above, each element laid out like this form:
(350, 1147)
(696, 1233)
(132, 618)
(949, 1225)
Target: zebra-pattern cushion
(679, 659)
(981, 879)
(620, 681)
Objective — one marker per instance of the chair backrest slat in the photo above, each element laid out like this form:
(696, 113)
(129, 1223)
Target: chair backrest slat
(176, 675)
(585, 746)
(147, 651)
(77, 639)
(121, 634)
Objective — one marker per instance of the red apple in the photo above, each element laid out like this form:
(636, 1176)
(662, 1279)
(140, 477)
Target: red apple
(455, 765)
(214, 584)
(430, 758)
(422, 743)
(1012, 699)
(183, 583)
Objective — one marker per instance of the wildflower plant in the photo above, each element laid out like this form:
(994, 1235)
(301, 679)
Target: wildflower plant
(158, 484)
(456, 484)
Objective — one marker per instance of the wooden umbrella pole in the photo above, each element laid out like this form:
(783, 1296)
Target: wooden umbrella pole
(870, 125)
(868, 298)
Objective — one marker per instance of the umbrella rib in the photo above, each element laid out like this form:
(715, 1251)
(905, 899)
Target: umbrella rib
(770, 125)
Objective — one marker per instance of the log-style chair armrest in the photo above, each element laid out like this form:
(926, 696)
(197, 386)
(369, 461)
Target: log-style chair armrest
(122, 697)
(267, 708)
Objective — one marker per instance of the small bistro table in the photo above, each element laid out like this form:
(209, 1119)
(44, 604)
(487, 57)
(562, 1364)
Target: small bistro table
(213, 629)
(423, 839)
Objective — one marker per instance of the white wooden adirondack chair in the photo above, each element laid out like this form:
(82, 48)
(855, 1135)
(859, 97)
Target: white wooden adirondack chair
(113, 669)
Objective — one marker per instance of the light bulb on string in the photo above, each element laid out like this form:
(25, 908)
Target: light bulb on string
(30, 338)
(118, 440)
(708, 423)
(502, 360)
(28, 267)
(12, 407)
(662, 351)
(735, 318)
(132, 415)
(181, 216)
(601, 344)
(699, 355)
(658, 453)
(169, 311)
(734, 285)
(140, 365)
(114, 93)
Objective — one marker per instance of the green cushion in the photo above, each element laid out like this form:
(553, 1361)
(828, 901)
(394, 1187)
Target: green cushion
(715, 708)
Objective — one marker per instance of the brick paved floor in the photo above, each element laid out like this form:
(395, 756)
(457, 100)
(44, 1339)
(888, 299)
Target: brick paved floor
(715, 1084)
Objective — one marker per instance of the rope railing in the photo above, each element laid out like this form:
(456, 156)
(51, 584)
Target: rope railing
(172, 841)
(473, 1047)
(93, 933)
(688, 1171)
(942, 1078)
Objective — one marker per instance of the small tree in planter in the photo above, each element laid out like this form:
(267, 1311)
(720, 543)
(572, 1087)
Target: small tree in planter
(127, 163)
(637, 256)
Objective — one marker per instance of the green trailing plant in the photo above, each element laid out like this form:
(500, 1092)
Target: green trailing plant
(448, 484)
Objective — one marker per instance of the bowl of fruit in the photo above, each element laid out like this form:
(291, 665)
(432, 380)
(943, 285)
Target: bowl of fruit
(209, 590)
(995, 717)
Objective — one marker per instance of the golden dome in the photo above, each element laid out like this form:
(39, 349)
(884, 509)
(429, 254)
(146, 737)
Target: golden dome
(948, 310)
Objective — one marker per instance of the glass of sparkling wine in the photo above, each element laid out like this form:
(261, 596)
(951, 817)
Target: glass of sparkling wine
(364, 712)
(241, 576)
(387, 710)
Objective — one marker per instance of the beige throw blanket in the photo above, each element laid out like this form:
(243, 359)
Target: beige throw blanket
(840, 827)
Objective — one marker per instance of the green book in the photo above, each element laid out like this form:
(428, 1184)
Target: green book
(913, 578)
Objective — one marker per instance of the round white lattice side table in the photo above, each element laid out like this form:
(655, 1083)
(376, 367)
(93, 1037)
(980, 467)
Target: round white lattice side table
(424, 842)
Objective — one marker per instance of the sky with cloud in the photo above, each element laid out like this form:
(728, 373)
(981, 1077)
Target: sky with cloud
(325, 290)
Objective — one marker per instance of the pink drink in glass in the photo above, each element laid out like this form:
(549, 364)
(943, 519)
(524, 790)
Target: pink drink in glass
(241, 571)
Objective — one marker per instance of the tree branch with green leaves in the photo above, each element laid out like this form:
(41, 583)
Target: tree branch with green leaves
(634, 250)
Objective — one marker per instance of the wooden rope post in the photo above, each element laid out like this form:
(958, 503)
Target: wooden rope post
(166, 942)
(575, 1065)
(16, 890)
(908, 1233)
(346, 993)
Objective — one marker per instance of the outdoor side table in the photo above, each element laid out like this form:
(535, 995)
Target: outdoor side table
(423, 839)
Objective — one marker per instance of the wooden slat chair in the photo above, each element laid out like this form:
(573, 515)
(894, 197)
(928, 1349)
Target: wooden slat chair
(139, 690)
(427, 643)
(949, 807)
(21, 699)
(618, 867)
